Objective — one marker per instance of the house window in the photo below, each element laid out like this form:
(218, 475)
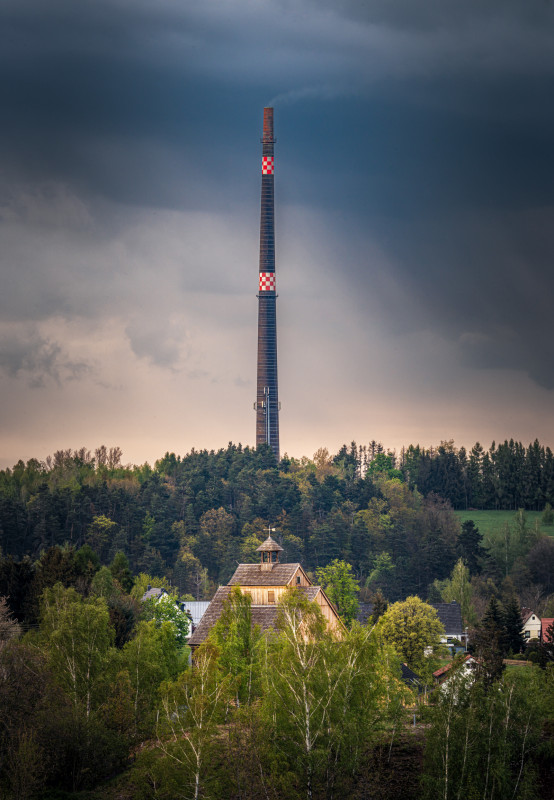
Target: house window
(271, 597)
(298, 579)
(527, 634)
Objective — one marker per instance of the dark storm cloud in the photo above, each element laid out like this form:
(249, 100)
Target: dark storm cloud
(424, 126)
(38, 359)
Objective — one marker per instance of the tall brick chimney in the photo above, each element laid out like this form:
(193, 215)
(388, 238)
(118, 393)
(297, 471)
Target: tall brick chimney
(267, 394)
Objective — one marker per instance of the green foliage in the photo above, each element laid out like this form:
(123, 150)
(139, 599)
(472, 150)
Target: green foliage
(121, 571)
(191, 708)
(412, 627)
(103, 584)
(380, 605)
(485, 743)
(100, 533)
(382, 465)
(547, 515)
(87, 561)
(238, 643)
(143, 581)
(340, 587)
(192, 517)
(71, 704)
(469, 546)
(323, 698)
(45, 740)
(457, 589)
(382, 568)
(488, 642)
(9, 627)
(513, 625)
(76, 635)
(166, 609)
(149, 658)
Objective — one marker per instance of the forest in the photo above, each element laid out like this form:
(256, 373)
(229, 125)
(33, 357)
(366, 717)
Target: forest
(97, 695)
(190, 519)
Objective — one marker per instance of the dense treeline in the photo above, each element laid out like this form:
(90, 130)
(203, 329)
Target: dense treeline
(507, 476)
(193, 518)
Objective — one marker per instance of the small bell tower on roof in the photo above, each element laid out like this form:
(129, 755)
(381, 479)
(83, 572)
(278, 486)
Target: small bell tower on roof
(269, 553)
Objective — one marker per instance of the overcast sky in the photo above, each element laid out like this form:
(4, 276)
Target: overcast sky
(414, 220)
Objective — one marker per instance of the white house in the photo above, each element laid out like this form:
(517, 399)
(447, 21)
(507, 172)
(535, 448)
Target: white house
(531, 624)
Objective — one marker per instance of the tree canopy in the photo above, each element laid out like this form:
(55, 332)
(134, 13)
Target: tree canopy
(413, 627)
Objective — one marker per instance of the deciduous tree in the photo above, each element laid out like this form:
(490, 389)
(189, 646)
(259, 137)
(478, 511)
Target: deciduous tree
(341, 588)
(237, 642)
(192, 707)
(412, 627)
(76, 636)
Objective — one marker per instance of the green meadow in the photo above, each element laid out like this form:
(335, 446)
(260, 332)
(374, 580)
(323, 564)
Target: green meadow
(491, 523)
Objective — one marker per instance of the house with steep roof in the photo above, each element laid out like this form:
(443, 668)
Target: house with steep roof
(531, 624)
(153, 593)
(265, 583)
(466, 665)
(450, 615)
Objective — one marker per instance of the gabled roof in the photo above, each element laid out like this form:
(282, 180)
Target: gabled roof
(411, 678)
(254, 575)
(439, 673)
(210, 616)
(264, 616)
(546, 622)
(153, 591)
(312, 592)
(450, 614)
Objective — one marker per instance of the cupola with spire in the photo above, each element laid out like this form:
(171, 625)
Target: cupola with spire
(269, 553)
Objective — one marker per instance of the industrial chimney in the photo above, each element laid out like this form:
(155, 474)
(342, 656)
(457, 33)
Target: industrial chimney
(267, 397)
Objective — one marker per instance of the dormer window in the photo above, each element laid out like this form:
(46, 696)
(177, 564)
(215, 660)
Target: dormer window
(271, 596)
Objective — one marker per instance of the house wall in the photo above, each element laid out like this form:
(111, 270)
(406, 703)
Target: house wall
(260, 594)
(532, 627)
(329, 613)
(299, 574)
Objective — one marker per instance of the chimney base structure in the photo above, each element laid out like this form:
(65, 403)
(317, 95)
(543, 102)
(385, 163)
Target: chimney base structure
(267, 393)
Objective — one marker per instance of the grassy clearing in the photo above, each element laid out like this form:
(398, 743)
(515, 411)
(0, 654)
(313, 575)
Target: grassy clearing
(491, 523)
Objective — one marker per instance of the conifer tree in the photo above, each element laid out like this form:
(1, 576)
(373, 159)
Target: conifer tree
(513, 626)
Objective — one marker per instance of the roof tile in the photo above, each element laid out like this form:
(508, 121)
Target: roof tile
(253, 575)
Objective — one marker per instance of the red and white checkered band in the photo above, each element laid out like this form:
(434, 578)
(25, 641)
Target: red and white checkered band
(267, 281)
(267, 165)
